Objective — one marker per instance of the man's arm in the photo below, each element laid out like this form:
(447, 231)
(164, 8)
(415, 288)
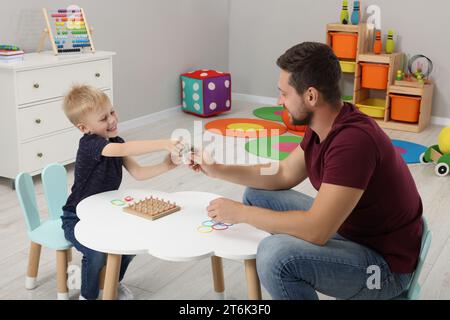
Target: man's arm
(330, 209)
(291, 171)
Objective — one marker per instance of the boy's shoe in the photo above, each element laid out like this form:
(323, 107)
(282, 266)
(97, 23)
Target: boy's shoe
(123, 293)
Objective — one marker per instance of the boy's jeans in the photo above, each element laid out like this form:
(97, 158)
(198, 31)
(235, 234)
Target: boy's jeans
(92, 261)
(291, 268)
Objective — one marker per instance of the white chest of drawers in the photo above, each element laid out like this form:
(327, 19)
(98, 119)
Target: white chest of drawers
(34, 130)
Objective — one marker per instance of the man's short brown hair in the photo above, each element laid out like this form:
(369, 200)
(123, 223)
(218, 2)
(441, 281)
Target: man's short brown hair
(313, 64)
(82, 100)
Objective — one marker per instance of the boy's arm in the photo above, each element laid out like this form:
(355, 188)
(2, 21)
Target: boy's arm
(136, 148)
(146, 172)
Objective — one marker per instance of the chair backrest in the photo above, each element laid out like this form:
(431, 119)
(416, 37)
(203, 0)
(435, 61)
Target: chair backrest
(27, 198)
(414, 288)
(54, 182)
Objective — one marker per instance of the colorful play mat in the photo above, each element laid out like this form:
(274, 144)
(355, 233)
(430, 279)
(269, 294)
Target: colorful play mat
(269, 113)
(297, 133)
(275, 148)
(275, 114)
(245, 128)
(410, 151)
(278, 148)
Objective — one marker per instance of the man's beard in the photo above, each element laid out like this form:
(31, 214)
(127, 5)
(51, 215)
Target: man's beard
(306, 121)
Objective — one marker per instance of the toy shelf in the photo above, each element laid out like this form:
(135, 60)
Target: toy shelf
(359, 32)
(425, 94)
(377, 107)
(374, 84)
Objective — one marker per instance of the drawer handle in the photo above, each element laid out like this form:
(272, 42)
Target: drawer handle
(36, 85)
(40, 155)
(97, 75)
(38, 121)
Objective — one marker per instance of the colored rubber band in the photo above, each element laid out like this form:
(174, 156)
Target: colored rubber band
(208, 223)
(204, 229)
(118, 203)
(227, 224)
(220, 227)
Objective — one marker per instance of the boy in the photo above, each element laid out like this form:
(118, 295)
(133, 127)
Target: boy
(98, 168)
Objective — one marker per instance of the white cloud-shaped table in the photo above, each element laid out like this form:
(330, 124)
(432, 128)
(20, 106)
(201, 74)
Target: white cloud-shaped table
(106, 228)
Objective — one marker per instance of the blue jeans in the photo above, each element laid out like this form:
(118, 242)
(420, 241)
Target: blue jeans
(291, 268)
(92, 261)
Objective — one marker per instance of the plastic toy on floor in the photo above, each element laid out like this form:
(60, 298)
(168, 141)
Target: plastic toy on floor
(439, 154)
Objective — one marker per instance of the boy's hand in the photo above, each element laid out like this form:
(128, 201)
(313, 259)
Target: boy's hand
(174, 146)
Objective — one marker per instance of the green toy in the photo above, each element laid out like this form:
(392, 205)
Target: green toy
(390, 44)
(439, 154)
(344, 12)
(419, 76)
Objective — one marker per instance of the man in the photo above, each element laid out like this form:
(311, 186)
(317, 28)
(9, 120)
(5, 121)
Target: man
(360, 237)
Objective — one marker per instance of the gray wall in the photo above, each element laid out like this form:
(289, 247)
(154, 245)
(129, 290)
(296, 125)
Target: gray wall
(155, 41)
(261, 30)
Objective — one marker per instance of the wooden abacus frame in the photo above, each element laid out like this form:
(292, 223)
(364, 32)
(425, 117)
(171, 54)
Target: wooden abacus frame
(48, 32)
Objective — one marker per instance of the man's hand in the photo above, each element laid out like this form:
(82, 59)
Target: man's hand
(171, 161)
(202, 162)
(226, 210)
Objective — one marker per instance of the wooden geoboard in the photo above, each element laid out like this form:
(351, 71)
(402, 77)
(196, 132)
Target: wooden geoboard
(151, 208)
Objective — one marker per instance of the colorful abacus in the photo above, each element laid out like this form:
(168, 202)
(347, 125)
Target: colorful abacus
(69, 31)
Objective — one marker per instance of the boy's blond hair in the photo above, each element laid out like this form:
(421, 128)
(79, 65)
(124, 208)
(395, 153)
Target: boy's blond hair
(82, 100)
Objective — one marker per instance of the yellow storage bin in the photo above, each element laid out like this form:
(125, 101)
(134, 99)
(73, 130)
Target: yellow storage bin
(373, 107)
(348, 66)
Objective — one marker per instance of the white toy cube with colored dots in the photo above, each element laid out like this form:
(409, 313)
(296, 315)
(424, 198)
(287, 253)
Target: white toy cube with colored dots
(206, 92)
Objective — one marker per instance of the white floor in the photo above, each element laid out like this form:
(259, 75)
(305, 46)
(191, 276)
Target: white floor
(151, 278)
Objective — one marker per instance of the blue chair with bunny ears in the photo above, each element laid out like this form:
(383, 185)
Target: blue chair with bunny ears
(47, 233)
(413, 292)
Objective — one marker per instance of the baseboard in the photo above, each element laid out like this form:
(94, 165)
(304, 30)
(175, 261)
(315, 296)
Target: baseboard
(254, 99)
(148, 119)
(440, 121)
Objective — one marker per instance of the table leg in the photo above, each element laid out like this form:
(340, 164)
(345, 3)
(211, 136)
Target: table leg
(101, 278)
(69, 255)
(253, 285)
(112, 276)
(217, 271)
